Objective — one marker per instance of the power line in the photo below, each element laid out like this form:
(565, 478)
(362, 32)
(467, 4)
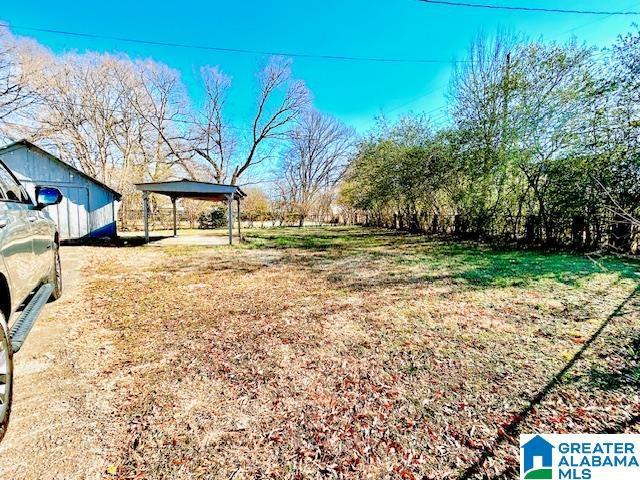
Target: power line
(112, 109)
(228, 49)
(529, 9)
(585, 25)
(416, 100)
(579, 27)
(107, 110)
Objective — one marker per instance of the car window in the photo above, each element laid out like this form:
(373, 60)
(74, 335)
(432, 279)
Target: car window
(11, 189)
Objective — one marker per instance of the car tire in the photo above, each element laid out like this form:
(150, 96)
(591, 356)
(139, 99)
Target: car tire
(6, 377)
(56, 276)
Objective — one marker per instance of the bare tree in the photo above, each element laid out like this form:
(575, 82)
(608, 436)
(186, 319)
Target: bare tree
(19, 62)
(14, 89)
(273, 115)
(624, 221)
(256, 206)
(210, 136)
(160, 100)
(281, 100)
(320, 147)
(80, 109)
(192, 209)
(114, 119)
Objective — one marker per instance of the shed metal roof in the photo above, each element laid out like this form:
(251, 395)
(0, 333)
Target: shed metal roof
(192, 189)
(31, 146)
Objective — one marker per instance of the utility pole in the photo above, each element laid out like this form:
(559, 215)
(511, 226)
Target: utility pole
(506, 86)
(230, 216)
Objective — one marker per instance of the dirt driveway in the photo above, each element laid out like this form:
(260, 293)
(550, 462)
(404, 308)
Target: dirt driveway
(58, 393)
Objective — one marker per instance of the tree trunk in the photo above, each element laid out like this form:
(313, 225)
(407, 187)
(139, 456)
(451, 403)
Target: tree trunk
(621, 233)
(577, 231)
(531, 229)
(434, 223)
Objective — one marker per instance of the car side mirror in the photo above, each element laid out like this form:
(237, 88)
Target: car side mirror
(46, 196)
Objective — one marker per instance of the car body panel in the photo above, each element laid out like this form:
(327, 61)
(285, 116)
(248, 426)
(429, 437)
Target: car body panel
(28, 239)
(16, 249)
(43, 231)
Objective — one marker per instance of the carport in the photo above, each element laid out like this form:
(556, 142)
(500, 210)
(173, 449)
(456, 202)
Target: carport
(213, 192)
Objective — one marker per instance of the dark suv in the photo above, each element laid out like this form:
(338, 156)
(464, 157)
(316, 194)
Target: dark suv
(30, 271)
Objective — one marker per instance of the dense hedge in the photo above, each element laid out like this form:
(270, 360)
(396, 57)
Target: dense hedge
(543, 148)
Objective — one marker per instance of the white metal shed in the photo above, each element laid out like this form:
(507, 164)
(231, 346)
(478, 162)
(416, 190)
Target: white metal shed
(89, 207)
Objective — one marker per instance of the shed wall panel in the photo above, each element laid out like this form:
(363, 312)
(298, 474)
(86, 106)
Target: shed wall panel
(87, 208)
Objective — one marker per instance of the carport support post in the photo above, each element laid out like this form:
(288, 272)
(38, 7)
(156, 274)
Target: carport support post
(230, 222)
(239, 231)
(175, 222)
(145, 209)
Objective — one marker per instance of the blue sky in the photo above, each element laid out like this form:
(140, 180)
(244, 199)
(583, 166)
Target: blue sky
(354, 91)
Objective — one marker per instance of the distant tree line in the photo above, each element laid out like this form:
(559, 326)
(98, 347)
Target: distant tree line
(125, 121)
(543, 149)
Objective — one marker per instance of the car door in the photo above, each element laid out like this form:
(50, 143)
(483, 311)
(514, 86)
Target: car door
(43, 231)
(16, 237)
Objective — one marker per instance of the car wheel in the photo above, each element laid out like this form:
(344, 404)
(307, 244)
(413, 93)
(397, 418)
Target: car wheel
(56, 275)
(6, 377)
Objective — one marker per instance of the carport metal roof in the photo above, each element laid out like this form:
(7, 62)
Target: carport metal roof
(214, 192)
(192, 189)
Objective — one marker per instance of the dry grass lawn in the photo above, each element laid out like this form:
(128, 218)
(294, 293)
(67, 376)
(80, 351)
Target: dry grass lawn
(350, 353)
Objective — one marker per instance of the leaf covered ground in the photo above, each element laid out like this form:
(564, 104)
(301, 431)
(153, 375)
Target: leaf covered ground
(352, 353)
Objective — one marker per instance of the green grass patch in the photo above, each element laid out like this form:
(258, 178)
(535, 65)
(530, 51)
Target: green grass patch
(476, 265)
